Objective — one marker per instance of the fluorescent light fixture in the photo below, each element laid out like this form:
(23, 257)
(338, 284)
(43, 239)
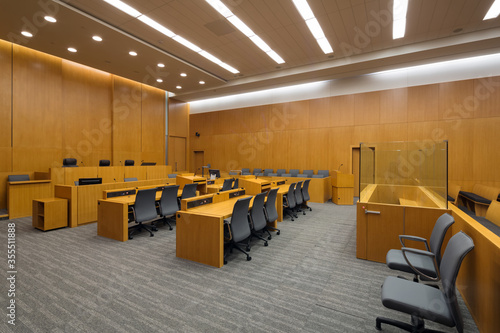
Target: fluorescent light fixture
(161, 65)
(178, 87)
(50, 19)
(124, 7)
(304, 9)
(260, 43)
(97, 38)
(313, 25)
(184, 74)
(229, 68)
(399, 9)
(186, 43)
(201, 82)
(275, 57)
(155, 25)
(210, 57)
(240, 26)
(159, 80)
(133, 53)
(71, 49)
(26, 34)
(220, 7)
(494, 11)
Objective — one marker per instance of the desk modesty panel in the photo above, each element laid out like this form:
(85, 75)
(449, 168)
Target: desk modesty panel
(20, 196)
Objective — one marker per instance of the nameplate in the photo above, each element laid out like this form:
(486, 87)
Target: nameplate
(236, 194)
(120, 193)
(199, 202)
(210, 182)
(281, 182)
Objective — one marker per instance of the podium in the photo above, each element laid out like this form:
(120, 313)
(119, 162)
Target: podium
(342, 188)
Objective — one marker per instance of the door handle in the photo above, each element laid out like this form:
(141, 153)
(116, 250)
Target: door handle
(371, 212)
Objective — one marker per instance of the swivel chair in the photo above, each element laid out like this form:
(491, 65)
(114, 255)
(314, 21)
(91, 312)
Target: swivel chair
(226, 186)
(129, 162)
(188, 191)
(298, 198)
(239, 229)
(168, 204)
(103, 163)
(258, 218)
(69, 163)
(289, 202)
(305, 194)
(144, 210)
(270, 209)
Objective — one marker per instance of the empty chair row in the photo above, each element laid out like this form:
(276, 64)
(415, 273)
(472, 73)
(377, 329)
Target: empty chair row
(296, 199)
(72, 163)
(283, 173)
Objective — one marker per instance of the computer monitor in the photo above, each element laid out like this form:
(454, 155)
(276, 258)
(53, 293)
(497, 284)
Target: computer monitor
(89, 181)
(215, 172)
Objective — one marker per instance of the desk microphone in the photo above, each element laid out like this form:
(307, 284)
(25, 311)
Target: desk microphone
(121, 163)
(114, 179)
(81, 162)
(339, 166)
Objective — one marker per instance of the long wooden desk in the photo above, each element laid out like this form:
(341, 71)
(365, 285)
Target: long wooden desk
(20, 196)
(112, 220)
(200, 232)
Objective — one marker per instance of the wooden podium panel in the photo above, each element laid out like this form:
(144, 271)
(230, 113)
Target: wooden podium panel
(342, 188)
(20, 196)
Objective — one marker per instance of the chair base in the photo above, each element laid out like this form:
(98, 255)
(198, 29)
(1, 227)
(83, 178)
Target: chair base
(417, 325)
(232, 246)
(137, 228)
(274, 229)
(255, 234)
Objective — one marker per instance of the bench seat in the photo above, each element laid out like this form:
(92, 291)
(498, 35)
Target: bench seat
(474, 197)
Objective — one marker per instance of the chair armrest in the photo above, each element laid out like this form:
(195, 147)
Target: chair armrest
(423, 253)
(413, 238)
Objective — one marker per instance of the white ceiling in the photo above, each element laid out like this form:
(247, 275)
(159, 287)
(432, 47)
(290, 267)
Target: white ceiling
(360, 32)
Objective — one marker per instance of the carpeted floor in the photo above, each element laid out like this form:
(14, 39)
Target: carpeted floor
(307, 280)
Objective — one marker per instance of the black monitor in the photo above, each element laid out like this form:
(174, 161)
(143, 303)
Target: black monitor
(89, 181)
(148, 163)
(215, 172)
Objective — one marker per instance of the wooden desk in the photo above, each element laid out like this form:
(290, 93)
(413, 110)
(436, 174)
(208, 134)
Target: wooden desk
(50, 213)
(201, 181)
(254, 185)
(200, 232)
(20, 196)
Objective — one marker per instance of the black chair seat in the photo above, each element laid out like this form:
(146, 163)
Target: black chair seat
(395, 260)
(474, 197)
(411, 297)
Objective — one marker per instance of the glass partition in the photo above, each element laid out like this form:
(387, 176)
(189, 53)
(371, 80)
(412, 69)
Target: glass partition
(404, 173)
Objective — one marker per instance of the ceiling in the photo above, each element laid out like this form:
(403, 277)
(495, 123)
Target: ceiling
(360, 32)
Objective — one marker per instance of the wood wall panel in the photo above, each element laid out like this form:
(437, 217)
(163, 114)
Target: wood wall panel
(342, 108)
(367, 108)
(393, 106)
(153, 125)
(487, 94)
(486, 136)
(423, 103)
(322, 114)
(5, 106)
(456, 100)
(178, 118)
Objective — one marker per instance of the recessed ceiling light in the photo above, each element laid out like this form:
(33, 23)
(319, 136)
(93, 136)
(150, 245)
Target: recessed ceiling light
(133, 53)
(399, 10)
(97, 38)
(50, 19)
(494, 11)
(178, 87)
(201, 82)
(184, 74)
(26, 33)
(71, 49)
(159, 80)
(161, 65)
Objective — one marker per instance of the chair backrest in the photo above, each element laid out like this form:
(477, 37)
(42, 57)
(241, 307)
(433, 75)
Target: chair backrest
(298, 193)
(104, 163)
(308, 173)
(324, 173)
(267, 172)
(69, 163)
(233, 173)
(18, 178)
(318, 176)
(239, 220)
(172, 175)
(456, 250)
(291, 196)
(280, 172)
(245, 171)
(272, 174)
(257, 212)
(145, 207)
(305, 190)
(271, 212)
(294, 172)
(236, 183)
(285, 175)
(133, 179)
(226, 186)
(168, 201)
(129, 162)
(189, 191)
(257, 172)
(442, 225)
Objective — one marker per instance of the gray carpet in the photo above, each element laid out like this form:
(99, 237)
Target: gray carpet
(307, 280)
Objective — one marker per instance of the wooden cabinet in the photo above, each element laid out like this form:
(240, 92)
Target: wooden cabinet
(50, 213)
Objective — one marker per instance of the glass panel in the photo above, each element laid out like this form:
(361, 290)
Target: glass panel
(404, 173)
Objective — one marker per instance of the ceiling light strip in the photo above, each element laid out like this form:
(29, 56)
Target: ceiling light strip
(167, 32)
(399, 10)
(124, 33)
(241, 26)
(493, 12)
(312, 23)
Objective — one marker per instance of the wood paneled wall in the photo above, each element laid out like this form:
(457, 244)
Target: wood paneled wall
(52, 108)
(319, 133)
(178, 135)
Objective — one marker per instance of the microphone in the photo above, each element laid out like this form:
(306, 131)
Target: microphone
(114, 179)
(340, 166)
(81, 162)
(121, 163)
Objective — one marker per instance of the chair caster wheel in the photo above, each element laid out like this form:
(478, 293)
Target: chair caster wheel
(130, 237)
(152, 235)
(278, 233)
(293, 220)
(225, 262)
(248, 249)
(269, 238)
(266, 244)
(310, 209)
(154, 229)
(249, 258)
(171, 228)
(303, 213)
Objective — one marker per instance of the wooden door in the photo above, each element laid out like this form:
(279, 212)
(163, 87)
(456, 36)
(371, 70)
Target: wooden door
(355, 169)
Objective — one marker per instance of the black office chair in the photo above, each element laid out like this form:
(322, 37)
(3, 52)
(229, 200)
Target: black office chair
(257, 172)
(227, 185)
(258, 218)
(236, 183)
(324, 173)
(308, 173)
(239, 229)
(129, 162)
(18, 178)
(289, 202)
(188, 191)
(245, 171)
(294, 172)
(144, 210)
(267, 172)
(298, 198)
(401, 261)
(69, 163)
(425, 302)
(280, 172)
(270, 209)
(168, 204)
(103, 163)
(305, 194)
